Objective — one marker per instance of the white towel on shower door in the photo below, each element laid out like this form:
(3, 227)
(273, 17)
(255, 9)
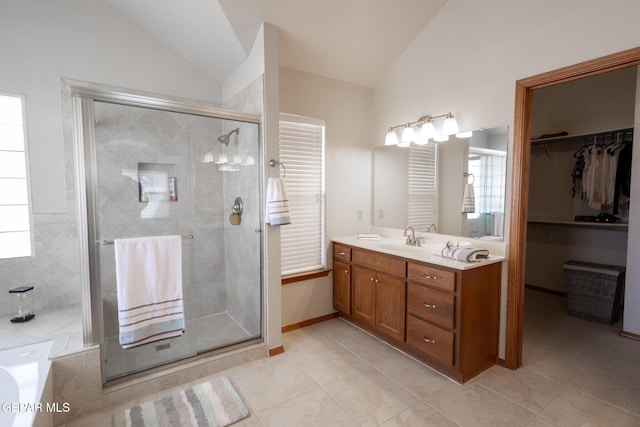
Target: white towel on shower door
(149, 285)
(277, 211)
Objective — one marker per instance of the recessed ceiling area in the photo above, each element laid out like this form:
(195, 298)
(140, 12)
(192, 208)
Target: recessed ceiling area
(354, 41)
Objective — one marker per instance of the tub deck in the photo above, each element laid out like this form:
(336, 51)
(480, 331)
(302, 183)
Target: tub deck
(61, 325)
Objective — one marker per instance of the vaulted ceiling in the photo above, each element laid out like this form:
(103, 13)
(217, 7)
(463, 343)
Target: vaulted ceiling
(354, 41)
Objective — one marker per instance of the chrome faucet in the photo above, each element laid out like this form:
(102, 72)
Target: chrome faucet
(411, 238)
(434, 228)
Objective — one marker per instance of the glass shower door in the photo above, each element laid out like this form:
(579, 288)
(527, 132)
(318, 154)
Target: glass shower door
(161, 173)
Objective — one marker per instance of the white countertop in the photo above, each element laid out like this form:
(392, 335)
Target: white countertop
(397, 247)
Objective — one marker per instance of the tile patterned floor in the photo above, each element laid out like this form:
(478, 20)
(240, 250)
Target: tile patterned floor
(334, 374)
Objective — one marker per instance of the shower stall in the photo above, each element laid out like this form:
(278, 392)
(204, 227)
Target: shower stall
(154, 168)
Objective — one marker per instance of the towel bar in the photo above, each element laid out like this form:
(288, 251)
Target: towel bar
(273, 163)
(110, 242)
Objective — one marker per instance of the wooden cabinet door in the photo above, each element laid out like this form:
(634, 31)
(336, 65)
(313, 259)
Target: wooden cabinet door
(391, 298)
(342, 287)
(363, 295)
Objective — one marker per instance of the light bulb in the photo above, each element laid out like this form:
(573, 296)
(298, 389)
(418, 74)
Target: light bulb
(427, 131)
(222, 159)
(391, 138)
(208, 157)
(450, 126)
(408, 136)
(250, 161)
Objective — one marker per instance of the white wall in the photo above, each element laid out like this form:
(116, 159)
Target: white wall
(43, 42)
(90, 41)
(468, 59)
(346, 109)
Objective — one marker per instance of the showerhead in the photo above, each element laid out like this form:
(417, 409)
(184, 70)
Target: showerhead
(224, 139)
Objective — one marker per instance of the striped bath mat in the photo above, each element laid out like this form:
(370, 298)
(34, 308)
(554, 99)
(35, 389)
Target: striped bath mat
(213, 403)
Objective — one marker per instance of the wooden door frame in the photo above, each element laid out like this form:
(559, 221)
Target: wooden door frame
(521, 155)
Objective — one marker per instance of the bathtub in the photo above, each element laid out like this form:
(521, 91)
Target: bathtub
(25, 391)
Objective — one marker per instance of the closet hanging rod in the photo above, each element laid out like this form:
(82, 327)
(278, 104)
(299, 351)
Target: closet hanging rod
(110, 242)
(580, 136)
(274, 163)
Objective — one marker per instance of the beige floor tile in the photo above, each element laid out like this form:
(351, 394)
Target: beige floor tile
(419, 415)
(573, 408)
(329, 363)
(335, 328)
(474, 406)
(417, 378)
(268, 382)
(531, 390)
(368, 347)
(370, 398)
(313, 409)
(542, 422)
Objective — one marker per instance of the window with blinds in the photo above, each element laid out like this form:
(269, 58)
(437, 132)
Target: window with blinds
(15, 219)
(423, 192)
(489, 170)
(302, 153)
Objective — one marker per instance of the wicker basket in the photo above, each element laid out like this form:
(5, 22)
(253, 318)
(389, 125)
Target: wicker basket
(594, 290)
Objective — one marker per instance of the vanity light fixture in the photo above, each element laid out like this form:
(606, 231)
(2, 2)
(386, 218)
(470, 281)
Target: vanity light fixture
(427, 131)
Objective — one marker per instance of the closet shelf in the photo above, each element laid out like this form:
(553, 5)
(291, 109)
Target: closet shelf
(617, 226)
(576, 136)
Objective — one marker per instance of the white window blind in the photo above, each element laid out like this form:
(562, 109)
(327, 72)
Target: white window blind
(489, 170)
(302, 153)
(15, 219)
(422, 186)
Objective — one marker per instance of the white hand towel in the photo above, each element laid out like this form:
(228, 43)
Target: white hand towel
(277, 211)
(369, 236)
(149, 285)
(466, 254)
(469, 199)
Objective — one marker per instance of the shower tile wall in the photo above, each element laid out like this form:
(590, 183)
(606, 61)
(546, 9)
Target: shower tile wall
(244, 302)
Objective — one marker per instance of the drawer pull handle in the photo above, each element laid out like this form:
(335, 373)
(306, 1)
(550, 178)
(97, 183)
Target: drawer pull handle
(342, 253)
(425, 339)
(426, 276)
(429, 305)
(346, 272)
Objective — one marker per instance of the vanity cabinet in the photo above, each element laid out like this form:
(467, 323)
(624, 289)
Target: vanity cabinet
(342, 278)
(379, 292)
(446, 317)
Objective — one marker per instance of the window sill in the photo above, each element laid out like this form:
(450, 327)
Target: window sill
(307, 275)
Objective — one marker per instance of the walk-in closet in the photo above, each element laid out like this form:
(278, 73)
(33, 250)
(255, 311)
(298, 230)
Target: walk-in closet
(582, 136)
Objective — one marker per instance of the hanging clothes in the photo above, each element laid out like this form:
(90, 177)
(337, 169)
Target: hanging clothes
(602, 172)
(623, 177)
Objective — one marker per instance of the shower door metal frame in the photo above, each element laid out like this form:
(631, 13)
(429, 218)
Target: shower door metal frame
(82, 97)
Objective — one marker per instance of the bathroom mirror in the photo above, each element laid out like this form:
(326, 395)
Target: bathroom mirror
(435, 187)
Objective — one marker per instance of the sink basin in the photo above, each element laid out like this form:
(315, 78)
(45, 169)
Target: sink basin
(400, 247)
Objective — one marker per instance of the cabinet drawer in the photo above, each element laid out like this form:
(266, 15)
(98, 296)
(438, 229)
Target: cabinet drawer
(429, 304)
(341, 252)
(380, 262)
(432, 276)
(431, 340)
